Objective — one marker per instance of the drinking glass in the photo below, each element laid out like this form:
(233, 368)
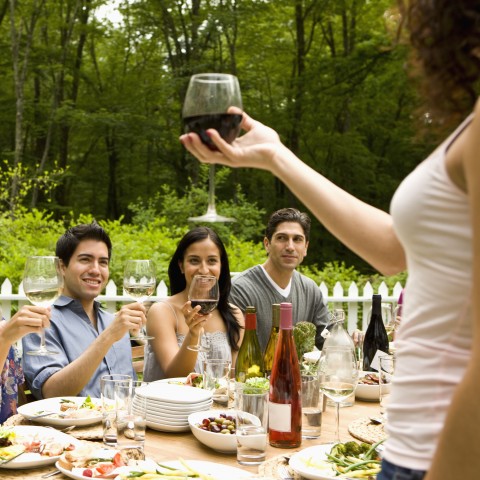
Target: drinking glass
(111, 404)
(131, 419)
(139, 283)
(206, 104)
(312, 399)
(387, 369)
(204, 292)
(338, 377)
(216, 377)
(251, 405)
(42, 284)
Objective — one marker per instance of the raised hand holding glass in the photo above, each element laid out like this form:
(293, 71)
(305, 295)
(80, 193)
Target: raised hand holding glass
(207, 101)
(139, 283)
(42, 284)
(204, 292)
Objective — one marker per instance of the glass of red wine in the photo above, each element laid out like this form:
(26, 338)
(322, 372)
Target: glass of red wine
(204, 292)
(206, 104)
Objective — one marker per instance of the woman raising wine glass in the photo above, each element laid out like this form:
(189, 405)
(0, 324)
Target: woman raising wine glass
(177, 324)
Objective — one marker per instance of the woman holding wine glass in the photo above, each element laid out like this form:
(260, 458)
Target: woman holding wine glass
(177, 325)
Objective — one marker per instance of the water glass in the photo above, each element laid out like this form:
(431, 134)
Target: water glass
(251, 406)
(216, 378)
(312, 404)
(131, 419)
(387, 369)
(109, 406)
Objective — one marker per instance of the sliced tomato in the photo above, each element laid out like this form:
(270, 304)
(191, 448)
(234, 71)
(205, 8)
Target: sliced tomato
(105, 468)
(118, 460)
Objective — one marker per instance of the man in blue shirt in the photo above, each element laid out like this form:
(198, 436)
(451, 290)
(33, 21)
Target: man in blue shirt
(91, 342)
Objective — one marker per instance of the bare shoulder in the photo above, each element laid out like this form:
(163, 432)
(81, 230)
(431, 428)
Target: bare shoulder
(165, 309)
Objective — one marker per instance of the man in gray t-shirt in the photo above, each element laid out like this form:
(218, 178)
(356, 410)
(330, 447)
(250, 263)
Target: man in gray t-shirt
(276, 281)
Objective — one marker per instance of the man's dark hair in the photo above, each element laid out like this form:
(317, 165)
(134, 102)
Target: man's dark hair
(288, 215)
(69, 241)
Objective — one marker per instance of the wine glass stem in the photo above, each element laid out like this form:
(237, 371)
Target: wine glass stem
(199, 341)
(211, 188)
(337, 433)
(42, 340)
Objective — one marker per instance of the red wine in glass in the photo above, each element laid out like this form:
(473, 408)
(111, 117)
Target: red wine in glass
(206, 306)
(227, 125)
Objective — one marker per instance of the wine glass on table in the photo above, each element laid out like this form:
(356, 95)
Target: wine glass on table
(338, 376)
(42, 284)
(206, 104)
(139, 283)
(204, 292)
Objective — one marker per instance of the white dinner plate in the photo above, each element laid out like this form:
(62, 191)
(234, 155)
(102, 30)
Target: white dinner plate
(175, 381)
(298, 462)
(32, 409)
(32, 460)
(175, 409)
(167, 428)
(175, 394)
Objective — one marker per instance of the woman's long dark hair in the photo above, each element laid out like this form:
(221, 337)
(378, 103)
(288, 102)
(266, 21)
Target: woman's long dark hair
(178, 282)
(446, 37)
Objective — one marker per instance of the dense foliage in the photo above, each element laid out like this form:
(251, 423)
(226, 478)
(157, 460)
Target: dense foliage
(36, 233)
(91, 110)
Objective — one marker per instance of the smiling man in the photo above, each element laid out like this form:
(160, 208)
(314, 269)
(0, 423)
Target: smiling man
(91, 342)
(276, 281)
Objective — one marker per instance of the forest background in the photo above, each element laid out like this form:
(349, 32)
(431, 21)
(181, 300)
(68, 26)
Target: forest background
(90, 114)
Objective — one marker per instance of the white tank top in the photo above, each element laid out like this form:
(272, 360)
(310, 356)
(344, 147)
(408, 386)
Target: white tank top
(432, 219)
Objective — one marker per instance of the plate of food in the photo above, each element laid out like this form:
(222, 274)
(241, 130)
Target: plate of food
(90, 462)
(333, 461)
(368, 387)
(35, 446)
(64, 411)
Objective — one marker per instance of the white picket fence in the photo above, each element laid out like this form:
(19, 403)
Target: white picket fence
(355, 304)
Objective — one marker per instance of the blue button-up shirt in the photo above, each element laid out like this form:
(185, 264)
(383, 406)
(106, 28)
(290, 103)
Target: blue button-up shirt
(70, 334)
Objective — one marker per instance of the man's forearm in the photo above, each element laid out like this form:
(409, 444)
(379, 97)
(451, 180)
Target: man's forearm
(70, 380)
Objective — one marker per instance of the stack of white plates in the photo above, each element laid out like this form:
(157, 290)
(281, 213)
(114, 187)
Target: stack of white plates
(169, 405)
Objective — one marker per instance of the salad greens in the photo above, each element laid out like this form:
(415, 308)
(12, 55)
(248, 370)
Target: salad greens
(254, 384)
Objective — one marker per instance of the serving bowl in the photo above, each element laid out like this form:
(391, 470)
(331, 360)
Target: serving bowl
(220, 442)
(369, 393)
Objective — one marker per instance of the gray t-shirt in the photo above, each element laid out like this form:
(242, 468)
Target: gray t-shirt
(252, 287)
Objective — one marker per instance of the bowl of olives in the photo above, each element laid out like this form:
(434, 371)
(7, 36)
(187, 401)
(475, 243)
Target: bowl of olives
(216, 429)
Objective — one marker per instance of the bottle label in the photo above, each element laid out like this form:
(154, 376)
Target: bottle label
(280, 416)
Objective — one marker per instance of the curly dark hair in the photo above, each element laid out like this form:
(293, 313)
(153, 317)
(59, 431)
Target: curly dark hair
(446, 37)
(178, 282)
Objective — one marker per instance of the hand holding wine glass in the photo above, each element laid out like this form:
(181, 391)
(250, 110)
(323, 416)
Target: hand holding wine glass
(204, 292)
(338, 376)
(42, 284)
(207, 101)
(139, 283)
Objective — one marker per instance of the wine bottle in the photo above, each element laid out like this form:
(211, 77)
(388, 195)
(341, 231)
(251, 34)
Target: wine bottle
(285, 400)
(272, 339)
(249, 361)
(376, 337)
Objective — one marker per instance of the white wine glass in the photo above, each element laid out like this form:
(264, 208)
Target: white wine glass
(338, 376)
(139, 283)
(203, 291)
(206, 104)
(42, 284)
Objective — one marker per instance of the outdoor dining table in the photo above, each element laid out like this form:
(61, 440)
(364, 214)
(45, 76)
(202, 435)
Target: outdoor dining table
(165, 446)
